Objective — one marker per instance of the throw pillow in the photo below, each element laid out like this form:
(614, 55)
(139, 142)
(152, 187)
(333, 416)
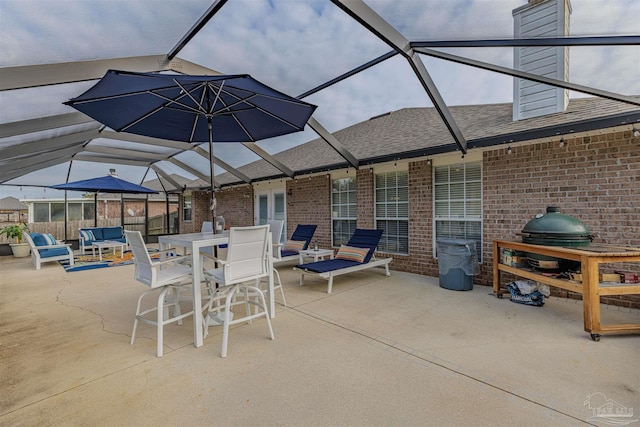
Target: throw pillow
(87, 235)
(352, 254)
(294, 245)
(50, 239)
(39, 239)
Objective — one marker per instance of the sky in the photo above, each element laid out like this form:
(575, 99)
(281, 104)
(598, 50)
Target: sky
(294, 46)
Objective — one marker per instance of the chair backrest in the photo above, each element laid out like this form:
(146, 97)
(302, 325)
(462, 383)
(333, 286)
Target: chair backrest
(276, 226)
(364, 238)
(141, 259)
(247, 253)
(304, 232)
(207, 227)
(27, 237)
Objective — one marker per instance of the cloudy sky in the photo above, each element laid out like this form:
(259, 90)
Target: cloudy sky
(294, 46)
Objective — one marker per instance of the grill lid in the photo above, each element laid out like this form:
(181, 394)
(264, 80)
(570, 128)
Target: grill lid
(557, 225)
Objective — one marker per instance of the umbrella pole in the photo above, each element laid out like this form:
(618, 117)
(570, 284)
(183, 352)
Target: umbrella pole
(213, 194)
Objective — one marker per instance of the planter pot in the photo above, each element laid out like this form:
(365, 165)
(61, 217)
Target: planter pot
(20, 250)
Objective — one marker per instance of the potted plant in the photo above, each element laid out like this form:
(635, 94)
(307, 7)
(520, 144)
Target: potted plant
(14, 232)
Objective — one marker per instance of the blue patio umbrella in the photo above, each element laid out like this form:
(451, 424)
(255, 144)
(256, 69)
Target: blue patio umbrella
(194, 109)
(104, 184)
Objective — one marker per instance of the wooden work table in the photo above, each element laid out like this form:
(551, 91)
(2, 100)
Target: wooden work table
(591, 289)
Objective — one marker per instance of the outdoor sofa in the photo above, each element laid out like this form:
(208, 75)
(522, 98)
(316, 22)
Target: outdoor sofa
(89, 235)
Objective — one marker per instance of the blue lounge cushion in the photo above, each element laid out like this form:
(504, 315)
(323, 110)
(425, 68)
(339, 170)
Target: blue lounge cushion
(47, 253)
(111, 233)
(303, 232)
(327, 265)
(364, 238)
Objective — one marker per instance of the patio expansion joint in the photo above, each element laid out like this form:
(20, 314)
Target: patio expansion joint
(411, 353)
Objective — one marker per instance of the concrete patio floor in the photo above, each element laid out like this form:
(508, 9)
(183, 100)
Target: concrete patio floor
(380, 350)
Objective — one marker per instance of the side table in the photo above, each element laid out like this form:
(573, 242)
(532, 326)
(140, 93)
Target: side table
(320, 254)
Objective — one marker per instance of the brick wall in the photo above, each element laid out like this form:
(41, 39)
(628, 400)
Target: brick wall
(365, 198)
(309, 202)
(236, 206)
(595, 179)
(420, 223)
(200, 202)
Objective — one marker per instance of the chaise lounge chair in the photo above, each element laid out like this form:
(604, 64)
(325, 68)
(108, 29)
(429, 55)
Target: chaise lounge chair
(300, 240)
(356, 255)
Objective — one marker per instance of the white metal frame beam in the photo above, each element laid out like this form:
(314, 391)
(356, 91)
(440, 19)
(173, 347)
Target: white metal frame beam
(233, 171)
(70, 72)
(368, 18)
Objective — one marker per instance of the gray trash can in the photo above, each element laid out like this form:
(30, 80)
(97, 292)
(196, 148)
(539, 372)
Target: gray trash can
(457, 263)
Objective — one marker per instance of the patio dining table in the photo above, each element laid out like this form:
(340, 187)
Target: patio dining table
(193, 242)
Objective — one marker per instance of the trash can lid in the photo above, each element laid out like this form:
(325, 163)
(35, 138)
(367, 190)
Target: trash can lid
(456, 242)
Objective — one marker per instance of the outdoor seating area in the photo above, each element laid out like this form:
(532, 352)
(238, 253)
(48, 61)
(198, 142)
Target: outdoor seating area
(88, 236)
(320, 222)
(449, 358)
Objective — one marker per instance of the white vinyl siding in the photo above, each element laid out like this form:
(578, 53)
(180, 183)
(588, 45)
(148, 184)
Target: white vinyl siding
(457, 195)
(392, 211)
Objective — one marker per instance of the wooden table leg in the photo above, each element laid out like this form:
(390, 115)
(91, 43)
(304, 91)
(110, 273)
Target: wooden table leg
(590, 297)
(496, 271)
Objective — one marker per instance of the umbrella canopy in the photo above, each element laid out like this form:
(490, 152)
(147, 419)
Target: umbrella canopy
(195, 109)
(104, 184)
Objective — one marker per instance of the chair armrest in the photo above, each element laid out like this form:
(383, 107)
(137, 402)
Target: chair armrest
(61, 245)
(177, 260)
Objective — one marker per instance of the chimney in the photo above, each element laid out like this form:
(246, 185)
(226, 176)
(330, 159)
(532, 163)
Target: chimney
(539, 19)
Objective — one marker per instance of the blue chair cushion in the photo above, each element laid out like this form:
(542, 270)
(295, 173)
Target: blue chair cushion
(328, 265)
(40, 239)
(97, 233)
(48, 253)
(111, 233)
(287, 253)
(121, 240)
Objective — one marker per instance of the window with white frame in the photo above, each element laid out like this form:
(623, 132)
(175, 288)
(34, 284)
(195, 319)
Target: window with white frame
(457, 198)
(54, 211)
(186, 207)
(343, 210)
(392, 211)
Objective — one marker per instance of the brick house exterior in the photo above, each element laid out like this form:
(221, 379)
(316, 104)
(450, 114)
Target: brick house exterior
(594, 177)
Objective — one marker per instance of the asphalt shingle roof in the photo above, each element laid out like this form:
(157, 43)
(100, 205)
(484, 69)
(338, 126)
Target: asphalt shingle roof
(414, 129)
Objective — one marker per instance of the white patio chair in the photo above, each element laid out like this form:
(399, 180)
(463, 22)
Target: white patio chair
(166, 276)
(221, 251)
(276, 226)
(239, 275)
